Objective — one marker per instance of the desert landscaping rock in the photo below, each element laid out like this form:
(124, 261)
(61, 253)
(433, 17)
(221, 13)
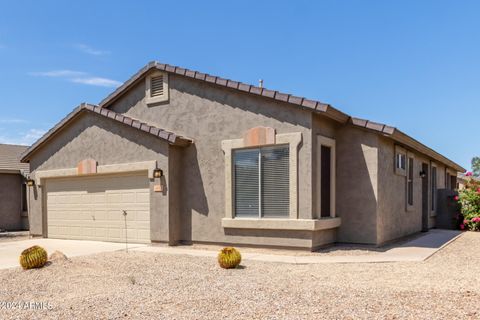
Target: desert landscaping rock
(57, 256)
(137, 285)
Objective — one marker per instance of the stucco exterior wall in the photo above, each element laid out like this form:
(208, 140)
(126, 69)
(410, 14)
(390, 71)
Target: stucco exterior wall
(11, 202)
(322, 126)
(108, 142)
(394, 220)
(357, 185)
(370, 198)
(209, 114)
(441, 185)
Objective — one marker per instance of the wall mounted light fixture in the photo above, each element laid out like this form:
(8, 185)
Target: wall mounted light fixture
(30, 182)
(157, 173)
(423, 174)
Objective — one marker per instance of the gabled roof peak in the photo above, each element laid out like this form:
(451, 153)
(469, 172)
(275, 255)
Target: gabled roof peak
(168, 136)
(302, 102)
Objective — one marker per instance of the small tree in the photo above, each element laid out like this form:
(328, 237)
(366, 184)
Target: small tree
(476, 166)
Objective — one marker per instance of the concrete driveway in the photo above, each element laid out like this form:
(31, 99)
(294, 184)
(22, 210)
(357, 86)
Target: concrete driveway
(10, 251)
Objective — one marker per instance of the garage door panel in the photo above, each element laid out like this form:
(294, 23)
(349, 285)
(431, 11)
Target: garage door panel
(142, 197)
(92, 208)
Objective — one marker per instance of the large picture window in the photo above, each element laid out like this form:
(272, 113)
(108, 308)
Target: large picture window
(261, 182)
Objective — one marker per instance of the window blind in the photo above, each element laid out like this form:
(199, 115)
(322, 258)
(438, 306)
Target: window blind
(275, 198)
(262, 182)
(246, 182)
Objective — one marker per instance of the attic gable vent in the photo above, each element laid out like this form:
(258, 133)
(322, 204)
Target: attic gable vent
(156, 88)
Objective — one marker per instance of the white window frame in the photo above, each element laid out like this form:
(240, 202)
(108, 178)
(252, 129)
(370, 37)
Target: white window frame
(433, 193)
(293, 140)
(409, 156)
(157, 99)
(327, 142)
(399, 151)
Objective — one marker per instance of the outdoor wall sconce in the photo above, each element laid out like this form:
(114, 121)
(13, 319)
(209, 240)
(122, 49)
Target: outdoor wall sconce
(30, 182)
(157, 173)
(423, 174)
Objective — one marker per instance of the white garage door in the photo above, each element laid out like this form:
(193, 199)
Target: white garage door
(91, 208)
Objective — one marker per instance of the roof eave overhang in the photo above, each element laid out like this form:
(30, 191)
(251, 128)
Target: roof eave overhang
(307, 104)
(11, 171)
(405, 139)
(168, 137)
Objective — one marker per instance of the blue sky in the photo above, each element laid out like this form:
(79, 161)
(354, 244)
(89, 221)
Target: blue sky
(411, 64)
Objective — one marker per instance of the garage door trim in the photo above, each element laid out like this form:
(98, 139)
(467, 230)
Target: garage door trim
(119, 168)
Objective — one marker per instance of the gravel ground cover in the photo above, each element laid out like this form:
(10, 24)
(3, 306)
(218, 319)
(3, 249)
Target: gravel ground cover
(139, 285)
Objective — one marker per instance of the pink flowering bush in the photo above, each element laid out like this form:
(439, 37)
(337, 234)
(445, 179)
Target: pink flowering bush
(469, 200)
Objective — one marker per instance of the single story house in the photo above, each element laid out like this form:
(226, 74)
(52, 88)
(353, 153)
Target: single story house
(13, 190)
(180, 156)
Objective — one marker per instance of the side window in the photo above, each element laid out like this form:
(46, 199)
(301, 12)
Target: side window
(24, 197)
(400, 161)
(433, 192)
(326, 177)
(410, 176)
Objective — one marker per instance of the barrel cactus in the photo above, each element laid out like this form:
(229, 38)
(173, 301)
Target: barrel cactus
(229, 258)
(33, 257)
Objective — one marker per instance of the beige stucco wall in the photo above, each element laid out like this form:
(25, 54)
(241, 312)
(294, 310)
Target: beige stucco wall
(108, 142)
(192, 208)
(357, 185)
(210, 114)
(11, 201)
(325, 127)
(394, 220)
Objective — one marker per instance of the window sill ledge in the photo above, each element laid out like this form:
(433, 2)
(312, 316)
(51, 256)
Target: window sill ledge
(282, 224)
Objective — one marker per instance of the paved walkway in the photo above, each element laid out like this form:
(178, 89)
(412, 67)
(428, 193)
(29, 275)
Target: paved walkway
(418, 249)
(10, 251)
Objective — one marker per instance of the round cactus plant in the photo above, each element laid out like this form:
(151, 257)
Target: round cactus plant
(33, 257)
(229, 258)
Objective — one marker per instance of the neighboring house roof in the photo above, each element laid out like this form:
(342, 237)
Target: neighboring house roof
(301, 102)
(10, 156)
(169, 137)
